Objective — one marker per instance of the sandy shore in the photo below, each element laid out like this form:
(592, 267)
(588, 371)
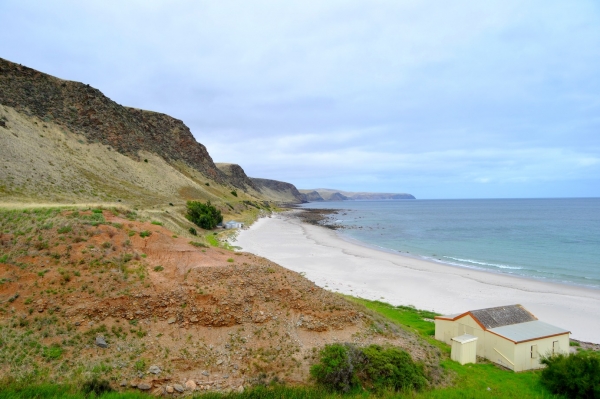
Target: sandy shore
(350, 268)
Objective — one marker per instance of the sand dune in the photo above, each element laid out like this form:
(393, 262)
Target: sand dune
(351, 268)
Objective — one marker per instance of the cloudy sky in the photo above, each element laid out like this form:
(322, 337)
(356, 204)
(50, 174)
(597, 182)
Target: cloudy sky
(441, 99)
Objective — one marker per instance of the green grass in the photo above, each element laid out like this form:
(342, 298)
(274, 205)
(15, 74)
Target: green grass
(212, 240)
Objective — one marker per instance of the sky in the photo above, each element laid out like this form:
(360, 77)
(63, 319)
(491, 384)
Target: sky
(460, 99)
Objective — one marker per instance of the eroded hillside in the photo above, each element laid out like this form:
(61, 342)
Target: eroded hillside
(99, 292)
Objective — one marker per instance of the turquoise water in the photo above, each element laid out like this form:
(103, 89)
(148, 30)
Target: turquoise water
(551, 239)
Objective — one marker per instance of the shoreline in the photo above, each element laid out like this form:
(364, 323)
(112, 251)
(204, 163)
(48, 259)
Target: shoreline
(340, 265)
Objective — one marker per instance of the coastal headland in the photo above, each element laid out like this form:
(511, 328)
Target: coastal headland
(352, 268)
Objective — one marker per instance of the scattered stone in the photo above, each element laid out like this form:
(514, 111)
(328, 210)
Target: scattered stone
(240, 389)
(154, 369)
(205, 373)
(226, 376)
(123, 383)
(178, 387)
(144, 386)
(171, 320)
(169, 389)
(219, 362)
(133, 384)
(101, 342)
(191, 385)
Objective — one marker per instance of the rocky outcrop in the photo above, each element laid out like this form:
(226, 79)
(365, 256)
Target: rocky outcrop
(237, 176)
(287, 192)
(85, 110)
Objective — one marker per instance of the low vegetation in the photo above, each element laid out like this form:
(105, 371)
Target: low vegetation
(346, 367)
(575, 376)
(202, 215)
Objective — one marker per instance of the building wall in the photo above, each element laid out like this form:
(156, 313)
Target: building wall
(544, 347)
(500, 350)
(445, 330)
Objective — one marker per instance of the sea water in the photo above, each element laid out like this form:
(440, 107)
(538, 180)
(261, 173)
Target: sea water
(551, 239)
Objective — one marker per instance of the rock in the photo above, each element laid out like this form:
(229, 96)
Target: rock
(144, 386)
(240, 389)
(101, 342)
(169, 389)
(171, 320)
(226, 376)
(191, 385)
(178, 387)
(154, 369)
(123, 383)
(205, 373)
(219, 362)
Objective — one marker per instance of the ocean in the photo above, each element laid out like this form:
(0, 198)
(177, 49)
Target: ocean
(549, 239)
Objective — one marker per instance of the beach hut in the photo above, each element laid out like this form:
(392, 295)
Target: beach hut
(507, 335)
(233, 225)
(464, 349)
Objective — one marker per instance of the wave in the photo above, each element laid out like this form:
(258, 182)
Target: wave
(475, 262)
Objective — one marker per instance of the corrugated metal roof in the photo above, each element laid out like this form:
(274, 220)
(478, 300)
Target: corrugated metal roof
(528, 331)
(463, 339)
(502, 316)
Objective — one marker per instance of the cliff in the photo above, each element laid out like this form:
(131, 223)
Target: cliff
(85, 110)
(67, 142)
(279, 189)
(327, 194)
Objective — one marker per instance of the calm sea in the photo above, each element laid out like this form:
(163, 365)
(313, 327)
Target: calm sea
(552, 239)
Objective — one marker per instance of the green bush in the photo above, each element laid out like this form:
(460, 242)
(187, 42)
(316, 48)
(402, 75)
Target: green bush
(344, 367)
(234, 193)
(392, 368)
(145, 233)
(337, 368)
(575, 376)
(205, 216)
(193, 231)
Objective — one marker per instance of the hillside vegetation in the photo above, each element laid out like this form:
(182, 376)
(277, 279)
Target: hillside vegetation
(65, 142)
(102, 294)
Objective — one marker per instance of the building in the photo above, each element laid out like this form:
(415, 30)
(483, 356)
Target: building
(507, 335)
(232, 224)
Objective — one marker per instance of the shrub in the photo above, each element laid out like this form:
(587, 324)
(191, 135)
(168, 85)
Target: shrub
(234, 193)
(575, 376)
(205, 216)
(156, 222)
(393, 368)
(344, 367)
(145, 233)
(337, 368)
(158, 268)
(193, 231)
(98, 387)
(198, 244)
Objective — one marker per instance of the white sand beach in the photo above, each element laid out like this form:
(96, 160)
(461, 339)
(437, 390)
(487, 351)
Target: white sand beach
(351, 268)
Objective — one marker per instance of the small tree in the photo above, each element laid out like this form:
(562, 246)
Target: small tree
(205, 216)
